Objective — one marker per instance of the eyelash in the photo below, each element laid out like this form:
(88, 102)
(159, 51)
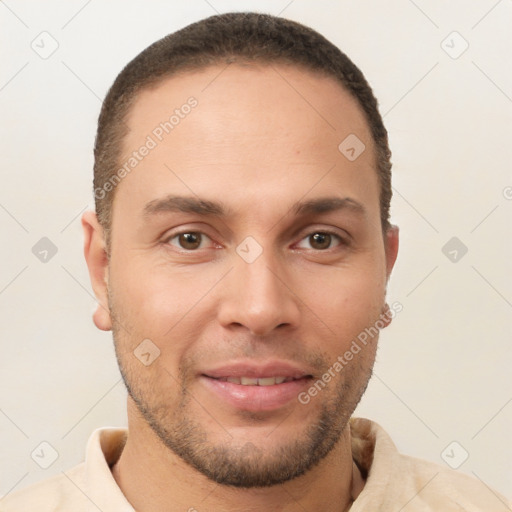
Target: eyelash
(343, 241)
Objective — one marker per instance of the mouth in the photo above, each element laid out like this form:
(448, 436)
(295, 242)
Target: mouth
(255, 381)
(255, 388)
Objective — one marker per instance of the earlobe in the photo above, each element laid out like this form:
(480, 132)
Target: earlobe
(386, 316)
(391, 243)
(97, 262)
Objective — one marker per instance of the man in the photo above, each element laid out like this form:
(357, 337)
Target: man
(240, 252)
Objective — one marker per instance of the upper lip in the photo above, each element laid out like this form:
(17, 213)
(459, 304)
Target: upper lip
(258, 370)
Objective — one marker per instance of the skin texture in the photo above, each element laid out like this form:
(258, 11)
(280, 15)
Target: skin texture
(261, 139)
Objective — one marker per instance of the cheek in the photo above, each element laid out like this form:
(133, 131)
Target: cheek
(152, 307)
(348, 306)
(345, 299)
(154, 310)
(158, 303)
(342, 310)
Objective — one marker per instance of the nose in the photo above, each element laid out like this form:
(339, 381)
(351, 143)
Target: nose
(258, 296)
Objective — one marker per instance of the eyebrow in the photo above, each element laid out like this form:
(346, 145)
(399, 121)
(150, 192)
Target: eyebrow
(203, 207)
(328, 204)
(185, 205)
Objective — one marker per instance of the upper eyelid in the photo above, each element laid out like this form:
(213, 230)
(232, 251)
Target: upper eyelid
(172, 233)
(305, 232)
(339, 232)
(170, 237)
(344, 239)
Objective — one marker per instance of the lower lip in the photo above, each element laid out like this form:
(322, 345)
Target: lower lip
(256, 398)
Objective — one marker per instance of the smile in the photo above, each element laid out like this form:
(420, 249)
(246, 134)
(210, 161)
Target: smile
(252, 381)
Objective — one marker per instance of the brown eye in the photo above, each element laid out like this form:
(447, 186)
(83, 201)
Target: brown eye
(190, 240)
(320, 240)
(187, 241)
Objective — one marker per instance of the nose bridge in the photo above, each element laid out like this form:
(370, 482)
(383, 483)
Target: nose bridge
(257, 298)
(262, 283)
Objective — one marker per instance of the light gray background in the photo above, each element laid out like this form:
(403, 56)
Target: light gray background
(443, 369)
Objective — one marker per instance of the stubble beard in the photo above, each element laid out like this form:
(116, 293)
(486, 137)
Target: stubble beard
(243, 466)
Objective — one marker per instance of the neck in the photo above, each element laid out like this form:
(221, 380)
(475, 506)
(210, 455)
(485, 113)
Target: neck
(154, 479)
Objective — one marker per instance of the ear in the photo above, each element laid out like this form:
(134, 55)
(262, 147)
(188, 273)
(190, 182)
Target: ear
(97, 261)
(391, 248)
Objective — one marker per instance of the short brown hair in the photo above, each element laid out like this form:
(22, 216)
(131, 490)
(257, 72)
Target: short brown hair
(231, 37)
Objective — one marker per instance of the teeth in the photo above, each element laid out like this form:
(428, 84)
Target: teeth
(252, 381)
(248, 381)
(267, 381)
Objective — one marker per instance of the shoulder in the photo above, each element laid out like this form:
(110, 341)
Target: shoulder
(56, 494)
(439, 487)
(88, 486)
(399, 482)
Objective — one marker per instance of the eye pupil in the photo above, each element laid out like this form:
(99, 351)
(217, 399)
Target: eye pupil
(190, 240)
(320, 240)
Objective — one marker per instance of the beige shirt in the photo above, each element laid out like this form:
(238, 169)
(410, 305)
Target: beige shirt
(394, 482)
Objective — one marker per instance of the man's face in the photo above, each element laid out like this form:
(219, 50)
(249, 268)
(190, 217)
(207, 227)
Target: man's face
(246, 246)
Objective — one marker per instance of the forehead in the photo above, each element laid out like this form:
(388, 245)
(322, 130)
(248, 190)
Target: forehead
(252, 94)
(271, 129)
